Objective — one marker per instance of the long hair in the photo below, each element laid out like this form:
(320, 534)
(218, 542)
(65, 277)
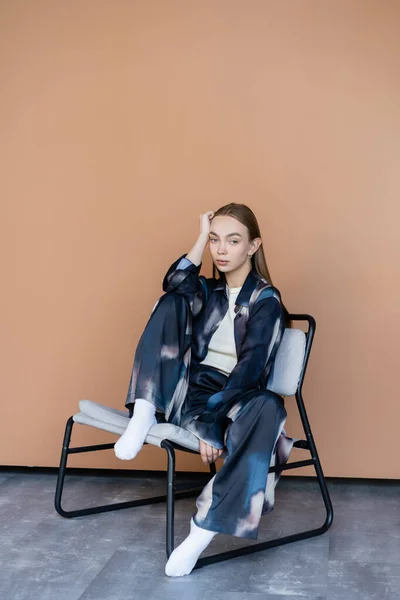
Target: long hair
(245, 215)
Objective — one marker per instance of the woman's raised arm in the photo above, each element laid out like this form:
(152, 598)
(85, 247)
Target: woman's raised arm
(196, 253)
(183, 275)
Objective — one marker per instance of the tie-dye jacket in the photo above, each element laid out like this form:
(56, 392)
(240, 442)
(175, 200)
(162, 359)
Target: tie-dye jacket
(258, 328)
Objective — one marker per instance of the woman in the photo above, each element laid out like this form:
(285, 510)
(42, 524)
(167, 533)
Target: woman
(203, 363)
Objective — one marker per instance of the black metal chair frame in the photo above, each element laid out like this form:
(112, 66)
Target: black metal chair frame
(174, 494)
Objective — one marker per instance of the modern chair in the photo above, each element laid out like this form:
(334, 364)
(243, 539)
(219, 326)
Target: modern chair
(286, 379)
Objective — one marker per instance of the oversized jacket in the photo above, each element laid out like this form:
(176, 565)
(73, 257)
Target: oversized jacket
(258, 328)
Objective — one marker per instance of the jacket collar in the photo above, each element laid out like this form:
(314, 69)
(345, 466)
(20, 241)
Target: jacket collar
(248, 286)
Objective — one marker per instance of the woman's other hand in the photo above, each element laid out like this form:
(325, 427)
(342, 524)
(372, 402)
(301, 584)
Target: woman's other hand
(205, 220)
(209, 454)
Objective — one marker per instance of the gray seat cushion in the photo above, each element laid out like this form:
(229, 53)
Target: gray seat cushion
(115, 421)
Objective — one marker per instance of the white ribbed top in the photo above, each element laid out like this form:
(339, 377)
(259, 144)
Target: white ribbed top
(222, 350)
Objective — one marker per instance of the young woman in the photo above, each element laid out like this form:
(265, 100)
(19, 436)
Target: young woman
(202, 363)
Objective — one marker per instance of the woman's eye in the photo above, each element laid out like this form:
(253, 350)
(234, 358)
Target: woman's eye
(232, 241)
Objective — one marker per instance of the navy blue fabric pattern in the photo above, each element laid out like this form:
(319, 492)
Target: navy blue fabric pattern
(258, 329)
(235, 412)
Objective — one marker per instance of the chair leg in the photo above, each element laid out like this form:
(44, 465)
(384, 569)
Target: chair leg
(170, 521)
(63, 464)
(172, 495)
(69, 514)
(317, 463)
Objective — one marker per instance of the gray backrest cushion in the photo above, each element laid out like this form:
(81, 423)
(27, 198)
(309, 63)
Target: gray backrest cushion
(288, 363)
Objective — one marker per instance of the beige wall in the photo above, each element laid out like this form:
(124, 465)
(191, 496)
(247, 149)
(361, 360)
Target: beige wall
(120, 122)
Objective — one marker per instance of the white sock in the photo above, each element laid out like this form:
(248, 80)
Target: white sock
(131, 441)
(184, 557)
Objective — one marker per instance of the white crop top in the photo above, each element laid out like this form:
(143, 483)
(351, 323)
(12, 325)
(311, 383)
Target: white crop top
(222, 350)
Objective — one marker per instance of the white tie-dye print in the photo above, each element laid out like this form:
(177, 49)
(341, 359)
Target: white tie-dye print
(180, 392)
(269, 496)
(275, 335)
(251, 522)
(171, 352)
(272, 478)
(204, 501)
(150, 386)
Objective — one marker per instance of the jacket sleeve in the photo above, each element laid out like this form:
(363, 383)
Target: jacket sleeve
(263, 335)
(183, 263)
(183, 278)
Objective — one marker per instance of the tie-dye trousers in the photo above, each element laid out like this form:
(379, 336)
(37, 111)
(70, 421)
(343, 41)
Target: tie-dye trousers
(233, 501)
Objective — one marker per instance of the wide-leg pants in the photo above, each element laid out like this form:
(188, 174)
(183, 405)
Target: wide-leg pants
(232, 502)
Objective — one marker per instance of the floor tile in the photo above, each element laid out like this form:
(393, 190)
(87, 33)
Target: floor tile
(365, 547)
(351, 580)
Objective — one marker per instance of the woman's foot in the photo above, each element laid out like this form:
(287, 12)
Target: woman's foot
(132, 440)
(185, 556)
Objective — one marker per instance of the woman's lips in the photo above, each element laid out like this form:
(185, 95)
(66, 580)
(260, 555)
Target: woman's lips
(222, 262)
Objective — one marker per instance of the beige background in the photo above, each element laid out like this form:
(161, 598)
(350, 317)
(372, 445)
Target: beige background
(120, 122)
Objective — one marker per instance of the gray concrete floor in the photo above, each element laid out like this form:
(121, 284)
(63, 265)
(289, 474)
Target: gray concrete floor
(121, 555)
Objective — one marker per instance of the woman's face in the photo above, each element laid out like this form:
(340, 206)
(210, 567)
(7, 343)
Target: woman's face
(229, 243)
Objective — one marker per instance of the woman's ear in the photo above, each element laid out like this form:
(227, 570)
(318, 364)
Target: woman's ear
(256, 244)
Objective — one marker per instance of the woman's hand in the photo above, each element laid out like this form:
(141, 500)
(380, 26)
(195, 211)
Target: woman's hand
(209, 454)
(205, 220)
